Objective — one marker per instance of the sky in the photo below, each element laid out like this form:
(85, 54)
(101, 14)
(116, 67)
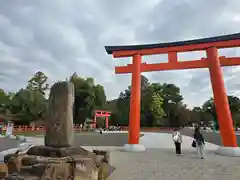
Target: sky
(60, 37)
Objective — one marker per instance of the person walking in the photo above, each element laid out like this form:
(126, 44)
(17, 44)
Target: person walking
(198, 137)
(177, 139)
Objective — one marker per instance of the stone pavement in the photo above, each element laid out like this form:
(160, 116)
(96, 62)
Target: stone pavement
(6, 143)
(159, 162)
(163, 164)
(164, 141)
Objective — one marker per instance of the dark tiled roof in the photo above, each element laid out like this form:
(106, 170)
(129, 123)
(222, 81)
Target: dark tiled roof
(111, 49)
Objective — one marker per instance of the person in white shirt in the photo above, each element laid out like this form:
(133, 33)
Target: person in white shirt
(177, 139)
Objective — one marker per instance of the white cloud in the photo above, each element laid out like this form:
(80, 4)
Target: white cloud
(60, 37)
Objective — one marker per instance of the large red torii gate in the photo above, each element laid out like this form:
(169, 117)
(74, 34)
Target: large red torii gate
(213, 62)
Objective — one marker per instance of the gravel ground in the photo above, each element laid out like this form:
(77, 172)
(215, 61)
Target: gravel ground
(96, 139)
(84, 139)
(113, 139)
(211, 137)
(165, 165)
(157, 164)
(6, 143)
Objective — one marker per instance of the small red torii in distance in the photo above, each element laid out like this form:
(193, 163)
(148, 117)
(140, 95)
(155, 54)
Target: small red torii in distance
(101, 113)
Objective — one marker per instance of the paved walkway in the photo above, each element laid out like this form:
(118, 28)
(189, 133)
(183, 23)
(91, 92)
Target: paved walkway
(212, 137)
(162, 164)
(159, 162)
(164, 141)
(6, 143)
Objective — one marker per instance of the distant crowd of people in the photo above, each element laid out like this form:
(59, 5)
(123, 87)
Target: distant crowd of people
(198, 142)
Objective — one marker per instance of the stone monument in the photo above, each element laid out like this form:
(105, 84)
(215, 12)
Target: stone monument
(58, 159)
(59, 118)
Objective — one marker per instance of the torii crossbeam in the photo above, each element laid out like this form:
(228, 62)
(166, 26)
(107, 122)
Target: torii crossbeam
(213, 62)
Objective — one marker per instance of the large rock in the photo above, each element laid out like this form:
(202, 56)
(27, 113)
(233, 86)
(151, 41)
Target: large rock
(3, 170)
(59, 117)
(59, 152)
(105, 155)
(13, 162)
(80, 163)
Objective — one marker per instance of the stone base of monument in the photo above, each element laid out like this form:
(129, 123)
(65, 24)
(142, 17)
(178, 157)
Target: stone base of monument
(228, 151)
(43, 163)
(134, 148)
(58, 152)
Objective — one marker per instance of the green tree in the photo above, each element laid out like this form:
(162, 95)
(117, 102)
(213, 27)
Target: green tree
(38, 83)
(88, 96)
(84, 98)
(172, 103)
(4, 99)
(156, 109)
(112, 106)
(100, 96)
(202, 114)
(123, 109)
(171, 94)
(234, 103)
(151, 104)
(28, 106)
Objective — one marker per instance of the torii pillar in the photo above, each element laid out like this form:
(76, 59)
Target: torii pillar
(220, 99)
(135, 104)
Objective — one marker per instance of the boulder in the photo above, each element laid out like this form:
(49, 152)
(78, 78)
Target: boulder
(59, 152)
(105, 155)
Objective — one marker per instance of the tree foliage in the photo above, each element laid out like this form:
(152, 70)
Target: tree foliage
(161, 104)
(88, 97)
(234, 104)
(38, 83)
(29, 104)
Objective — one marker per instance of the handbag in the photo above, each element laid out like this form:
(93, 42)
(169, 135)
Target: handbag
(194, 144)
(175, 138)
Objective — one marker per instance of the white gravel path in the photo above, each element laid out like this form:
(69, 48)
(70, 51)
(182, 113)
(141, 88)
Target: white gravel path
(159, 162)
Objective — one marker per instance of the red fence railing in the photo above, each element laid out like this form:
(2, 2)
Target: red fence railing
(78, 128)
(35, 129)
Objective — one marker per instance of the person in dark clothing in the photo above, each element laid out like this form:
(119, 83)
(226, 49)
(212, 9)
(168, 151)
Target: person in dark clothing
(198, 137)
(177, 139)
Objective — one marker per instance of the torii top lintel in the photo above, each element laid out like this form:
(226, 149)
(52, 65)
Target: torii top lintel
(226, 41)
(172, 48)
